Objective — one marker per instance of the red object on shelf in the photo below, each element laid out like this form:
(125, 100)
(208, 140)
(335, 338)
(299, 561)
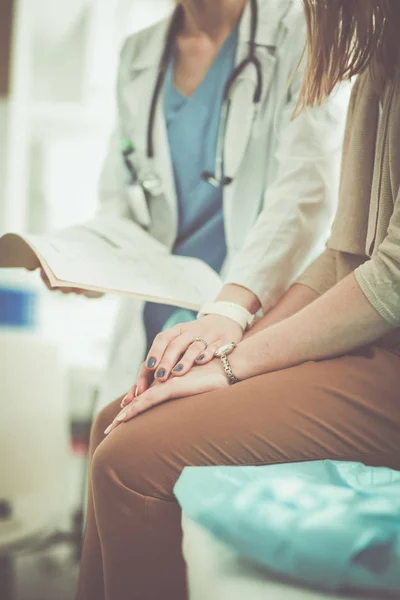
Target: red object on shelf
(80, 446)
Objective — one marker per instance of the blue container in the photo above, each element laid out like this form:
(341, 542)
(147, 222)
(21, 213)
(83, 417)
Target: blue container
(18, 308)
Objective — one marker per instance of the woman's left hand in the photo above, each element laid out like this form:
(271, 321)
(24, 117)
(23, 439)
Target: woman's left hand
(198, 381)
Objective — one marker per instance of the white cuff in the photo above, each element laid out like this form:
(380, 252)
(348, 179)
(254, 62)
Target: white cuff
(232, 311)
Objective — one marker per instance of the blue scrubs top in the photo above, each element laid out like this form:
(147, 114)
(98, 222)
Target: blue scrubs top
(192, 126)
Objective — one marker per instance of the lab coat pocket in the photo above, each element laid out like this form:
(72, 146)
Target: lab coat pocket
(138, 205)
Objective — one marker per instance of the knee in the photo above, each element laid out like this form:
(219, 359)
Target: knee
(101, 422)
(129, 457)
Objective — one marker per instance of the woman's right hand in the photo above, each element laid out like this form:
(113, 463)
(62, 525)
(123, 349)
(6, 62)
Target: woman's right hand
(176, 350)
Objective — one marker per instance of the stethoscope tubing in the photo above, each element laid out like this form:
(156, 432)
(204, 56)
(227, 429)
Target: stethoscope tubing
(251, 59)
(218, 179)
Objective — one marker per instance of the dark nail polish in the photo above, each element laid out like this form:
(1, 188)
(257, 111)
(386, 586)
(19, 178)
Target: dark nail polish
(151, 363)
(178, 368)
(201, 357)
(160, 373)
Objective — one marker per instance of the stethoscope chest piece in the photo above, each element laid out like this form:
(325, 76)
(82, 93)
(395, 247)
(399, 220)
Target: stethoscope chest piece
(214, 181)
(151, 183)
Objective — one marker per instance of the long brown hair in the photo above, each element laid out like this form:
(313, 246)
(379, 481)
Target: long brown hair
(344, 37)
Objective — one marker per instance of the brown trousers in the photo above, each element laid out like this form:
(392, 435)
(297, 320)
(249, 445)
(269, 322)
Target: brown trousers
(344, 409)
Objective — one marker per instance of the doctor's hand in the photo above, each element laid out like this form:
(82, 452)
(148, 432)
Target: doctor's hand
(68, 290)
(197, 381)
(176, 350)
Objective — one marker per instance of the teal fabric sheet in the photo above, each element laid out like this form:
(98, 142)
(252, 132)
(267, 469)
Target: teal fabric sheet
(331, 524)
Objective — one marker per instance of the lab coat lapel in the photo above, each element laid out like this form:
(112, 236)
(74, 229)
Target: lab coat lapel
(271, 16)
(242, 110)
(136, 98)
(163, 167)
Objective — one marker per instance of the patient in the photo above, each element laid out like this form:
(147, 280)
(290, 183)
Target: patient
(317, 378)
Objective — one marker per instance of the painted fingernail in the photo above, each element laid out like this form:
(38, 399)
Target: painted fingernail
(151, 363)
(178, 368)
(121, 417)
(201, 357)
(107, 431)
(160, 373)
(123, 401)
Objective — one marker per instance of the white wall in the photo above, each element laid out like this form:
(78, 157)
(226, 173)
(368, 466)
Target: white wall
(64, 68)
(63, 102)
(3, 155)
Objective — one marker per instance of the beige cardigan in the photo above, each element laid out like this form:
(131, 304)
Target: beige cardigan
(366, 232)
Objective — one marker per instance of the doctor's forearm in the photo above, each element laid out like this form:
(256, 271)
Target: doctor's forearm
(336, 323)
(240, 295)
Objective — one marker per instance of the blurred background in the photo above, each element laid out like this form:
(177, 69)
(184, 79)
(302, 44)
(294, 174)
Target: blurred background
(58, 63)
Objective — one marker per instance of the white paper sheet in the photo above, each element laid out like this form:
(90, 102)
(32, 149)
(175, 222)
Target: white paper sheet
(114, 256)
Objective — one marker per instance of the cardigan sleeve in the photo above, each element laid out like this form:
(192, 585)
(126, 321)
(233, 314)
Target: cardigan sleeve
(321, 274)
(379, 278)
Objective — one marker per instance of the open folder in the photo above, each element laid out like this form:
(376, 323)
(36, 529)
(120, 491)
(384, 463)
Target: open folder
(113, 255)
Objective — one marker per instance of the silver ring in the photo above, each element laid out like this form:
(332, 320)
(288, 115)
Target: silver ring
(200, 339)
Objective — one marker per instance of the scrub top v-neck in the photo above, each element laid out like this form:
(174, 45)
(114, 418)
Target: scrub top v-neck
(192, 128)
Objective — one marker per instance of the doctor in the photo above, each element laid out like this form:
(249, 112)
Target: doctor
(207, 158)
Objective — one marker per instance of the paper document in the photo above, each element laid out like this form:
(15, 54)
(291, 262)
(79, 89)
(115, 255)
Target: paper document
(113, 256)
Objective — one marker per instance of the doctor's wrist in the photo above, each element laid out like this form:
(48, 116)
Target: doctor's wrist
(231, 311)
(238, 294)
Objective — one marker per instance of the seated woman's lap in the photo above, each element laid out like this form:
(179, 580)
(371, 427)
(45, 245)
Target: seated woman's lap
(345, 409)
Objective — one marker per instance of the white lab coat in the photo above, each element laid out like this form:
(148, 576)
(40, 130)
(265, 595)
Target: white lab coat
(279, 208)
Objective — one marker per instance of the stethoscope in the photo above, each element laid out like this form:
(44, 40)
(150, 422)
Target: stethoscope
(148, 179)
